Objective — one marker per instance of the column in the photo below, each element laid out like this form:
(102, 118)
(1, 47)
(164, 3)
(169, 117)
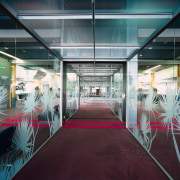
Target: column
(111, 94)
(78, 105)
(178, 78)
(124, 91)
(63, 73)
(61, 92)
(131, 93)
(13, 89)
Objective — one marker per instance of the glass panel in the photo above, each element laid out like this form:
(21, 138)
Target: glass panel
(108, 6)
(176, 121)
(70, 38)
(67, 26)
(157, 100)
(117, 94)
(7, 95)
(29, 97)
(156, 125)
(119, 38)
(71, 92)
(131, 111)
(49, 6)
(140, 6)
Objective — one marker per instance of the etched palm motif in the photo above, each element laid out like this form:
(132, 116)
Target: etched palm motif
(3, 97)
(30, 105)
(137, 135)
(144, 134)
(146, 131)
(17, 164)
(48, 100)
(171, 119)
(24, 139)
(5, 169)
(170, 105)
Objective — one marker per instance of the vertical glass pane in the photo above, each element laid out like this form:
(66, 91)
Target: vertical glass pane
(71, 93)
(132, 95)
(176, 119)
(117, 94)
(7, 95)
(155, 122)
(29, 97)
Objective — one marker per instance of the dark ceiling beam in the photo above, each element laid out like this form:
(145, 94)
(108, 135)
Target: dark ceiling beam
(13, 14)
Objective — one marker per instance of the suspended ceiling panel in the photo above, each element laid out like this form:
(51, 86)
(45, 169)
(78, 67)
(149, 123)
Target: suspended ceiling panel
(80, 30)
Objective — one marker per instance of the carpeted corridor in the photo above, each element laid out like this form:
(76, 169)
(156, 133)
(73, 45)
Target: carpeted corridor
(92, 145)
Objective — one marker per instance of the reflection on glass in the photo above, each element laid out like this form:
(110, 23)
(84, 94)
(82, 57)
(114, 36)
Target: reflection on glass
(71, 94)
(117, 94)
(157, 126)
(29, 99)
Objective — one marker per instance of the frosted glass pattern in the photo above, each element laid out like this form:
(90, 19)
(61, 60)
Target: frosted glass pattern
(71, 94)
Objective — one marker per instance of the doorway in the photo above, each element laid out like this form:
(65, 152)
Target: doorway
(101, 83)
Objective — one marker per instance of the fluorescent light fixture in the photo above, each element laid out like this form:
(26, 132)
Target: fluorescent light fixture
(13, 57)
(71, 47)
(134, 16)
(155, 67)
(96, 47)
(41, 17)
(98, 16)
(149, 70)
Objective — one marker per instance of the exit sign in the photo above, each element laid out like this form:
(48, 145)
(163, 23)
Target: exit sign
(2, 67)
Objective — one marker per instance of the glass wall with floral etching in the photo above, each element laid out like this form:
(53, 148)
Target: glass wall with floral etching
(29, 96)
(154, 105)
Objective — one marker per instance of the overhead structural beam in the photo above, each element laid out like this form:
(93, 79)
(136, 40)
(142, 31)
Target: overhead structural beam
(97, 16)
(13, 15)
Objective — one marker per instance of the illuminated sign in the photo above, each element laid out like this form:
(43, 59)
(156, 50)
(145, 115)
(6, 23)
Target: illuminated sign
(2, 67)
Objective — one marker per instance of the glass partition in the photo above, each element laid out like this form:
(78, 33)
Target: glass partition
(117, 94)
(29, 96)
(131, 98)
(154, 107)
(71, 92)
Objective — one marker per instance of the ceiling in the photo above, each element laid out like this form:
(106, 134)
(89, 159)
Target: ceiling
(97, 72)
(90, 31)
